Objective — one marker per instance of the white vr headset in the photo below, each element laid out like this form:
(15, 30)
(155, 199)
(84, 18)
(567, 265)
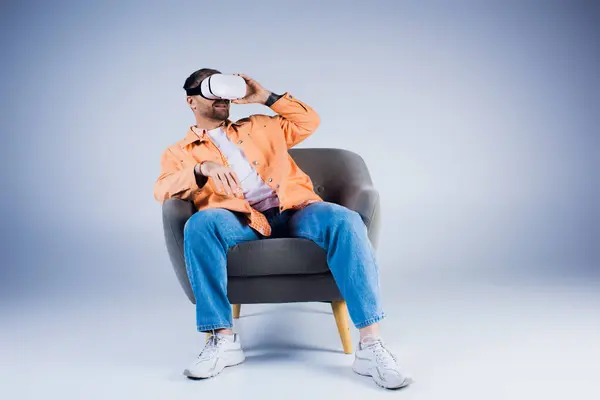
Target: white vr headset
(220, 86)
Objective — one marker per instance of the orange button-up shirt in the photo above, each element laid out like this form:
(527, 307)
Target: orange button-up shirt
(265, 141)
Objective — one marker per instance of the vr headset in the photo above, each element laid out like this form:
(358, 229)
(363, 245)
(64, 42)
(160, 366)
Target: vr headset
(220, 86)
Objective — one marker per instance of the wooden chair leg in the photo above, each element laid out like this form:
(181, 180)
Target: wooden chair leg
(236, 310)
(340, 312)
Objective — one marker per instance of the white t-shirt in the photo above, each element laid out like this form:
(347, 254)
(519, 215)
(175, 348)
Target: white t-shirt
(260, 196)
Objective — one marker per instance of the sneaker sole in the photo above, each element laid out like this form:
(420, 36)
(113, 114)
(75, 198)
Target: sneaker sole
(234, 360)
(362, 368)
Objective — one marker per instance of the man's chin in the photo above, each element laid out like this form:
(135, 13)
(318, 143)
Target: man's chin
(221, 115)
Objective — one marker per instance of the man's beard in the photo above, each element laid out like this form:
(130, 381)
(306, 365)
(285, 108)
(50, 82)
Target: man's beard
(220, 114)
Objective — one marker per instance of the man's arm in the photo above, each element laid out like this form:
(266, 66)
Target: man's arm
(296, 119)
(176, 182)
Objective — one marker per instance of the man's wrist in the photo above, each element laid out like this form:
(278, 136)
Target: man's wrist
(272, 98)
(201, 179)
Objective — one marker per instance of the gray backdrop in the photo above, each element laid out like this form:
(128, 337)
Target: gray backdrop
(478, 121)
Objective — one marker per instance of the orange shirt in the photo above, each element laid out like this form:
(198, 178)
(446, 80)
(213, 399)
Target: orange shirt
(265, 141)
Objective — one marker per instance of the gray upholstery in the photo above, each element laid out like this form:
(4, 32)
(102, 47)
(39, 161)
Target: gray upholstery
(286, 269)
(280, 256)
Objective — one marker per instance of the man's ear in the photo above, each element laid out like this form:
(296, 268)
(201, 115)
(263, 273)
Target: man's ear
(189, 100)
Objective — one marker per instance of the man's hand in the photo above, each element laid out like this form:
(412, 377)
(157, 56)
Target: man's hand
(224, 178)
(255, 93)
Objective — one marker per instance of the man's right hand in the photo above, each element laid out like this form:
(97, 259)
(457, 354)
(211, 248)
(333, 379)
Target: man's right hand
(224, 178)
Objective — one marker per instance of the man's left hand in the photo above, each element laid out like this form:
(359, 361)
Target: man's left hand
(255, 93)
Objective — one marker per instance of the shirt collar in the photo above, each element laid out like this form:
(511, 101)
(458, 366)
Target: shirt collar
(192, 137)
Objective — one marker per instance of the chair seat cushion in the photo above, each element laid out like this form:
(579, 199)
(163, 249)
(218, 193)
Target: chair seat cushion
(280, 256)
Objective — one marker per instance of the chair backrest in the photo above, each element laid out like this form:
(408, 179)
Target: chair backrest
(332, 170)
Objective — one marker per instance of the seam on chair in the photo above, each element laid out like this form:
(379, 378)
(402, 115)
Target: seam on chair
(373, 212)
(180, 253)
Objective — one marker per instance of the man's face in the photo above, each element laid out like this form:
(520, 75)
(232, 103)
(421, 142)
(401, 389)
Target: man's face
(217, 110)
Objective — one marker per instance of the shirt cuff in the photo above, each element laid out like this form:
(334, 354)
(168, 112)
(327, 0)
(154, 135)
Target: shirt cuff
(191, 177)
(199, 179)
(272, 99)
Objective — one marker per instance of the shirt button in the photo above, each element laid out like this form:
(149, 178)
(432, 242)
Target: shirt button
(270, 179)
(240, 141)
(255, 163)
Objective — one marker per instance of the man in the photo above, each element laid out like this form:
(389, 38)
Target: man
(246, 187)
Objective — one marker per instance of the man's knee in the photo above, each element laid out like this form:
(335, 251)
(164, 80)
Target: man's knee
(339, 216)
(205, 221)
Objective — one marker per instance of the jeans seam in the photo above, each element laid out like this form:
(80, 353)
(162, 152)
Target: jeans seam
(222, 325)
(310, 237)
(190, 274)
(236, 240)
(370, 321)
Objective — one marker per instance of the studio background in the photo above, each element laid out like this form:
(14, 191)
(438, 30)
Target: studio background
(478, 122)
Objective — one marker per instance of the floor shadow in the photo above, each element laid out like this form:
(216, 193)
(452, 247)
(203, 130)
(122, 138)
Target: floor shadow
(254, 314)
(277, 347)
(343, 372)
(268, 357)
(309, 311)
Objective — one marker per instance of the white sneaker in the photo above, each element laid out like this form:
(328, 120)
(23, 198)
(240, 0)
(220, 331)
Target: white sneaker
(219, 351)
(374, 359)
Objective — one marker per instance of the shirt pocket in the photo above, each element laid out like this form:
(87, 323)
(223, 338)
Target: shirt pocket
(203, 152)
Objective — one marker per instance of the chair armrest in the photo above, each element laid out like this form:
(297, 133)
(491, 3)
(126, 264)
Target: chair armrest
(175, 213)
(365, 201)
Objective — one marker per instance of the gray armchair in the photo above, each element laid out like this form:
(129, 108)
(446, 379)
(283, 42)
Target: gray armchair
(283, 270)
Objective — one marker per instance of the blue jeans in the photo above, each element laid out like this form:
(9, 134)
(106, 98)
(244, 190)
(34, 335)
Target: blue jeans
(209, 234)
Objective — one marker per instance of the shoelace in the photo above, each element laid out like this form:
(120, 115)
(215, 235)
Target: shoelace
(211, 347)
(384, 356)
